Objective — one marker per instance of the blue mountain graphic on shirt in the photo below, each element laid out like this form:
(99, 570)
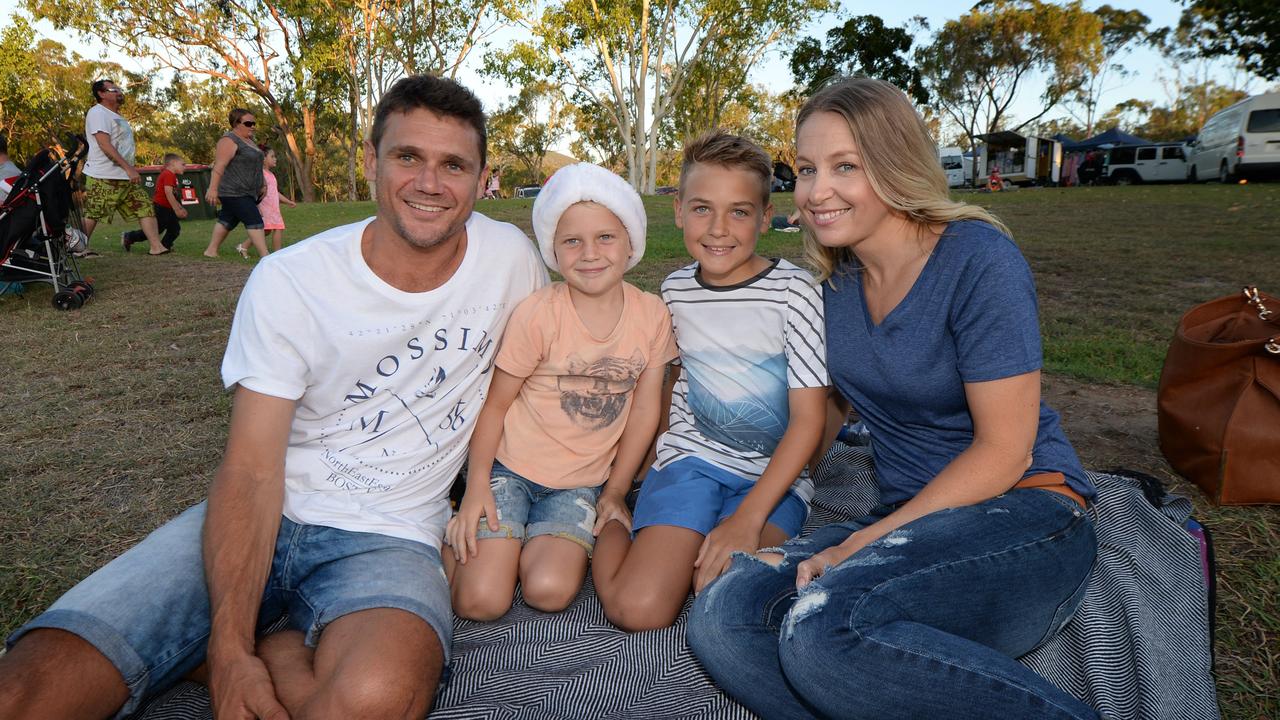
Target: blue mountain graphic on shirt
(738, 400)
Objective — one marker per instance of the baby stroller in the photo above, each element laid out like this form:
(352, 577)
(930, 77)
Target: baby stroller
(40, 226)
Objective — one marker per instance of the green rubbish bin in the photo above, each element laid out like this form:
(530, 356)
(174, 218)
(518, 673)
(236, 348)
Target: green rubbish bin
(192, 186)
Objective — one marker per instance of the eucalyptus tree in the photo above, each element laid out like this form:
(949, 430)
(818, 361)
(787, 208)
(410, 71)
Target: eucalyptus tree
(978, 63)
(633, 59)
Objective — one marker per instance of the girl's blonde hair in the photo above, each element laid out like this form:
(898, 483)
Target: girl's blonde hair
(898, 156)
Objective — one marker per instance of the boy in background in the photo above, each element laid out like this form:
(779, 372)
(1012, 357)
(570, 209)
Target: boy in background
(748, 400)
(165, 202)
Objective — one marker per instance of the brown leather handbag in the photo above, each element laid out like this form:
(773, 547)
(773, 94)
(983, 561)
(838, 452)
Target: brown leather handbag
(1219, 399)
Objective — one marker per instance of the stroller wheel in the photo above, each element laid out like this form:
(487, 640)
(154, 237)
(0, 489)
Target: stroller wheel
(67, 300)
(83, 289)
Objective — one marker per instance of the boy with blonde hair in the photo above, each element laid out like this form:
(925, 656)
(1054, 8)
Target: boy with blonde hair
(747, 409)
(572, 409)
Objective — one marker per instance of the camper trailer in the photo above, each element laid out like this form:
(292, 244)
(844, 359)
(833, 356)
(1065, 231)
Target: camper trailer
(1021, 159)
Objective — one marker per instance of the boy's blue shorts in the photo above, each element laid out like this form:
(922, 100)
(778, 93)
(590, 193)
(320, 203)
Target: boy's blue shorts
(694, 494)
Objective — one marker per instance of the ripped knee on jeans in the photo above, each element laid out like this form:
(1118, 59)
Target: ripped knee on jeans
(770, 556)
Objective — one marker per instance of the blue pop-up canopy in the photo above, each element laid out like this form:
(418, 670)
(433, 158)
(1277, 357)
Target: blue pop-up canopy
(1114, 136)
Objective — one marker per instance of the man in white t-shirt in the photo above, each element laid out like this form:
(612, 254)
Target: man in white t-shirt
(113, 185)
(8, 170)
(360, 359)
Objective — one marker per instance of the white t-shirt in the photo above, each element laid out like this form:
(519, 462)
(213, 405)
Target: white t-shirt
(98, 165)
(388, 382)
(742, 348)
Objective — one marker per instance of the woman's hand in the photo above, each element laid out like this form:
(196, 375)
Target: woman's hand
(611, 506)
(211, 196)
(817, 565)
(461, 531)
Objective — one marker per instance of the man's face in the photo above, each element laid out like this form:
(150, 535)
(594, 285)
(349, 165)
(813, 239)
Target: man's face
(428, 174)
(111, 95)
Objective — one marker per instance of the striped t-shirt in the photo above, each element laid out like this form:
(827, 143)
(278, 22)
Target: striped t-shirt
(742, 347)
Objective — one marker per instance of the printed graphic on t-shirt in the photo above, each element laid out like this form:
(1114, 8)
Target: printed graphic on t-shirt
(392, 427)
(739, 400)
(595, 394)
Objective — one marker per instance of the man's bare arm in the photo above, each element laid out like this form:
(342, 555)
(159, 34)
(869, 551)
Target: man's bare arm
(245, 503)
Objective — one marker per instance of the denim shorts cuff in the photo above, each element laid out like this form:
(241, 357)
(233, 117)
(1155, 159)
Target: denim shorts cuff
(505, 531)
(226, 224)
(253, 227)
(106, 640)
(573, 533)
(443, 626)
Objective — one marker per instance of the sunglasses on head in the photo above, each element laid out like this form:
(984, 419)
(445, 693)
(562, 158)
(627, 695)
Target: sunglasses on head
(249, 123)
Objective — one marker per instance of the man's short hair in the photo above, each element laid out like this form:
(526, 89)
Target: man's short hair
(728, 151)
(441, 96)
(170, 157)
(4, 145)
(100, 86)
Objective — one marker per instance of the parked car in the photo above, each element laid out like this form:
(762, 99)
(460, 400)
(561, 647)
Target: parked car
(528, 191)
(666, 190)
(1241, 141)
(1157, 162)
(953, 165)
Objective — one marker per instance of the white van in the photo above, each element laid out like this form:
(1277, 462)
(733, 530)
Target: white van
(1242, 141)
(952, 159)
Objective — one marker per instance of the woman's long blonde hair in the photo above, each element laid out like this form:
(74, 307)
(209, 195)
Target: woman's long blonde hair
(898, 156)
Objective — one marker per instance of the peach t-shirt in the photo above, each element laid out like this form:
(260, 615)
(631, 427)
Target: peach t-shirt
(563, 428)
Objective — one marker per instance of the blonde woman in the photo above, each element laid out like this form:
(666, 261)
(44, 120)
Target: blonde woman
(980, 549)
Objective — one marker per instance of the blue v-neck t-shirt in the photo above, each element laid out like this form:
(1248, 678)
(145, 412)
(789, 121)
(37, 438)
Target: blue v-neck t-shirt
(971, 316)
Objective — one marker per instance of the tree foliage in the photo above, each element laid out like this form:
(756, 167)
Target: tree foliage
(523, 132)
(1246, 29)
(978, 64)
(1120, 31)
(863, 45)
(632, 60)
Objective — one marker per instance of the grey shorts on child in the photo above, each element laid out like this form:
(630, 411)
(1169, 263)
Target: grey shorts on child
(527, 510)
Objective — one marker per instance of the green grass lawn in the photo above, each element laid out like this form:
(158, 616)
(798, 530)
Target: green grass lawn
(115, 415)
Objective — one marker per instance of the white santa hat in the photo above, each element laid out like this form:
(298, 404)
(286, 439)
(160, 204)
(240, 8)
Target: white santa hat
(585, 182)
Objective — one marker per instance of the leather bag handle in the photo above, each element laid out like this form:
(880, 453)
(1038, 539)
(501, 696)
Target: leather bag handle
(1252, 297)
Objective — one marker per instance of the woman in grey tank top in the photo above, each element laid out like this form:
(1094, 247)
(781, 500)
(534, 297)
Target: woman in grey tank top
(236, 184)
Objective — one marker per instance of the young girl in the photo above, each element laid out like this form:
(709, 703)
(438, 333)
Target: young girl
(981, 548)
(572, 408)
(269, 206)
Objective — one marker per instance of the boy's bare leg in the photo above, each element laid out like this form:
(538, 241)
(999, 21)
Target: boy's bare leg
(484, 586)
(643, 584)
(382, 663)
(772, 536)
(56, 674)
(552, 570)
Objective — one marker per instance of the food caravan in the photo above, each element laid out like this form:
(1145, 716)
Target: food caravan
(1021, 159)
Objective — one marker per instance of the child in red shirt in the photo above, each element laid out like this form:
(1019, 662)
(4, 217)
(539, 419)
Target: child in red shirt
(165, 201)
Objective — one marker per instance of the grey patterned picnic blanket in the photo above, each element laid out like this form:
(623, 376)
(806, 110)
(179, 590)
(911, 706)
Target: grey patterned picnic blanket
(1138, 647)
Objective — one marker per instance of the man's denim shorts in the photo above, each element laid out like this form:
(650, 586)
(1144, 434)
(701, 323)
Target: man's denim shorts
(147, 611)
(527, 510)
(692, 493)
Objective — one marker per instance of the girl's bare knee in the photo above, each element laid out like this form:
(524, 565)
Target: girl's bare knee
(475, 604)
